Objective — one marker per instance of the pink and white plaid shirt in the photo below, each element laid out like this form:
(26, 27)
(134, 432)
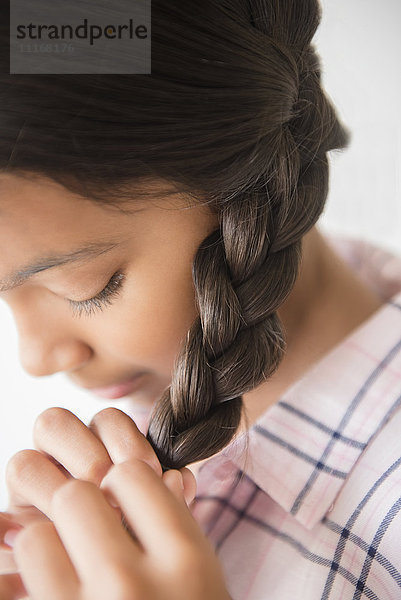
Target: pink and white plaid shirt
(315, 512)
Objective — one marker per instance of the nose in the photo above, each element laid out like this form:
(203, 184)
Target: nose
(48, 341)
(40, 356)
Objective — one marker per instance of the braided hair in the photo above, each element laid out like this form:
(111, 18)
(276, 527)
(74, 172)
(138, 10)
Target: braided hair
(245, 270)
(233, 114)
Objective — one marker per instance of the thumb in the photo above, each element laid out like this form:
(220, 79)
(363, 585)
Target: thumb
(181, 483)
(189, 482)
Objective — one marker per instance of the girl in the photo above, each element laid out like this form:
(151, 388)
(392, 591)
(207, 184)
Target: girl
(158, 240)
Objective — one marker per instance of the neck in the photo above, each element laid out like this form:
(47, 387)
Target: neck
(327, 302)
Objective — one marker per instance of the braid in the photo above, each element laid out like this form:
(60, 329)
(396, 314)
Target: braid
(245, 270)
(234, 114)
(237, 298)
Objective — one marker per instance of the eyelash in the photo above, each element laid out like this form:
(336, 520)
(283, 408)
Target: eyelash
(102, 299)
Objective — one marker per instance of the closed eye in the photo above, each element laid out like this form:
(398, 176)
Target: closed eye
(102, 299)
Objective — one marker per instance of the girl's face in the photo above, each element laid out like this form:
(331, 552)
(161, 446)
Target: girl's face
(140, 264)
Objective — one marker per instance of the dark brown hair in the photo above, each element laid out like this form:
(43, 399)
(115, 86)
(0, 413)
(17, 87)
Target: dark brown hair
(234, 115)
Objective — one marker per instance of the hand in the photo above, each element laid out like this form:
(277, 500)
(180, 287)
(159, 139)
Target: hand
(85, 552)
(67, 448)
(10, 585)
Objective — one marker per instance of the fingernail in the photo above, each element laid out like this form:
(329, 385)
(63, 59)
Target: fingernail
(181, 480)
(9, 537)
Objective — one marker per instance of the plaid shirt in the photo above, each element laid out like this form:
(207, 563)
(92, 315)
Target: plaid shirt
(314, 510)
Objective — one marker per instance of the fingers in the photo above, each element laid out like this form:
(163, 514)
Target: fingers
(60, 434)
(66, 448)
(11, 587)
(122, 438)
(87, 453)
(32, 480)
(174, 481)
(48, 573)
(87, 548)
(91, 531)
(96, 542)
(124, 441)
(7, 562)
(189, 485)
(181, 483)
(162, 524)
(6, 523)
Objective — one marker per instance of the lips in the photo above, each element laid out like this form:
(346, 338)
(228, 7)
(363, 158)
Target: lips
(118, 390)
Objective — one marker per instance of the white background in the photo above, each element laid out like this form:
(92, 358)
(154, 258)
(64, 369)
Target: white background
(360, 46)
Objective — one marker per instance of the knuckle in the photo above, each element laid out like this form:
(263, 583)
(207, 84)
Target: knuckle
(20, 463)
(49, 418)
(105, 415)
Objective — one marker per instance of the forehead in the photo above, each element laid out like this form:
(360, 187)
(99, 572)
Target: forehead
(39, 202)
(40, 216)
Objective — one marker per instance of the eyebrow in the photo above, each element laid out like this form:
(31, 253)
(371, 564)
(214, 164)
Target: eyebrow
(84, 254)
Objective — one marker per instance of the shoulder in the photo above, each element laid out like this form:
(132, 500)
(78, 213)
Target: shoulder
(378, 267)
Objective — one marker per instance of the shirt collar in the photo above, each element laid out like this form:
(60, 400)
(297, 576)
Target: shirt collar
(302, 449)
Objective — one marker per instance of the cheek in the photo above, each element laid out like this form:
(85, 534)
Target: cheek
(152, 320)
